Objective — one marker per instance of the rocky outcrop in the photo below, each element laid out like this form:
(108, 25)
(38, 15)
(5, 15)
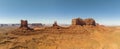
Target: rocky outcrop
(79, 21)
(24, 25)
(55, 24)
(90, 21)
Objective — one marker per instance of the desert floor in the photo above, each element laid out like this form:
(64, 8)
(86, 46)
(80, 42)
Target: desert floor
(97, 39)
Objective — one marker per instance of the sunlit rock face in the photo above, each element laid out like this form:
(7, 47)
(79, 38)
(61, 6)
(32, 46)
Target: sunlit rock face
(90, 21)
(79, 21)
(24, 25)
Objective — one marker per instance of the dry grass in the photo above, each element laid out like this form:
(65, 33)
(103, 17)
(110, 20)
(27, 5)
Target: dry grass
(91, 38)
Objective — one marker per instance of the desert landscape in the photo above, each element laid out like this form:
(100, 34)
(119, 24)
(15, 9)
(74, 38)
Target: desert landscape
(59, 24)
(81, 34)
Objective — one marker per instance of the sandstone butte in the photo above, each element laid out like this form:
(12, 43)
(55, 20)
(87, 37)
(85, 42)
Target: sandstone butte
(78, 26)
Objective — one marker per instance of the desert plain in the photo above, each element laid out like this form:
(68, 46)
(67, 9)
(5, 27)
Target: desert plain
(92, 38)
(59, 37)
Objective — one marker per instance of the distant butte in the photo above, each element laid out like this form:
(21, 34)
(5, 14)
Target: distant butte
(78, 26)
(55, 24)
(24, 25)
(79, 21)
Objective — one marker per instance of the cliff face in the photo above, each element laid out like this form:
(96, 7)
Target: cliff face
(90, 21)
(79, 21)
(24, 25)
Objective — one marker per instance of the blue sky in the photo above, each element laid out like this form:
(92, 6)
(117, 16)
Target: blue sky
(47, 11)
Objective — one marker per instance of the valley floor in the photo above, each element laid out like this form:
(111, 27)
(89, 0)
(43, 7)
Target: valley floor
(105, 39)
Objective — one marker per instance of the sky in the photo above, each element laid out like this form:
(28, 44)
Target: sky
(106, 12)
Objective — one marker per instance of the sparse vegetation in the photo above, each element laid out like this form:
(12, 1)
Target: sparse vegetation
(81, 37)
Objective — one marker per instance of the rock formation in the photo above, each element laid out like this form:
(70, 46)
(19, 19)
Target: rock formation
(78, 21)
(55, 24)
(90, 21)
(36, 24)
(24, 25)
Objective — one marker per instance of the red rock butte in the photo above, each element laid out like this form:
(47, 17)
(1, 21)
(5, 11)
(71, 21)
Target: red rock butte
(55, 24)
(79, 21)
(75, 23)
(24, 25)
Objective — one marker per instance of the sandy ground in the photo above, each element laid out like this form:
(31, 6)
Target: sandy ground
(104, 39)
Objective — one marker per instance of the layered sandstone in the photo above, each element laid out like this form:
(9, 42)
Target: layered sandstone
(90, 21)
(79, 21)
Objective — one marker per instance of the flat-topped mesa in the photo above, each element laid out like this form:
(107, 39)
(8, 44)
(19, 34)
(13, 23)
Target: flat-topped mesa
(24, 25)
(78, 21)
(81, 22)
(55, 24)
(90, 21)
